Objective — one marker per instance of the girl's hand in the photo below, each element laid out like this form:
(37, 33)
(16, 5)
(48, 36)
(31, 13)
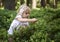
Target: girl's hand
(34, 20)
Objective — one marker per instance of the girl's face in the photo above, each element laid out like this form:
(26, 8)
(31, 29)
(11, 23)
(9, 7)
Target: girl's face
(26, 14)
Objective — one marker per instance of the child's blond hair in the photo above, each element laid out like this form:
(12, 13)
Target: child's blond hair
(23, 8)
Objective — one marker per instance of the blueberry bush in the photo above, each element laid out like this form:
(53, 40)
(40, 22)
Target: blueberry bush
(46, 29)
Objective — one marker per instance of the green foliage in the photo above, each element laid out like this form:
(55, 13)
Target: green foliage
(46, 29)
(6, 17)
(3, 35)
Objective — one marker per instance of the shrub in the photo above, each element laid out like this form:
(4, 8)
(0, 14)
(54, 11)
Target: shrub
(46, 29)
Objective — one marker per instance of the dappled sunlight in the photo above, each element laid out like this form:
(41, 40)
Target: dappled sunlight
(37, 8)
(2, 8)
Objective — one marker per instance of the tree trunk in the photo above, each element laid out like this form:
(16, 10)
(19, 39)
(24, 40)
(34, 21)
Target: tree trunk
(48, 1)
(9, 4)
(29, 3)
(43, 4)
(55, 4)
(21, 2)
(0, 3)
(33, 4)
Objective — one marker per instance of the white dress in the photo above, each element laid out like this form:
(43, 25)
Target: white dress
(16, 24)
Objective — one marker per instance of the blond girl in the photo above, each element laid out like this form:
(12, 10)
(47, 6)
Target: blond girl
(21, 19)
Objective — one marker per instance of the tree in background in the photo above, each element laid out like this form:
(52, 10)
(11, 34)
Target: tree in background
(48, 1)
(27, 2)
(21, 2)
(51, 3)
(43, 3)
(33, 3)
(9, 4)
(0, 3)
(55, 4)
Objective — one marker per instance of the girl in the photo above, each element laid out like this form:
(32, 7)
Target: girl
(21, 19)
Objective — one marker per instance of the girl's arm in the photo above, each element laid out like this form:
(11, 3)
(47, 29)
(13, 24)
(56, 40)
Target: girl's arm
(26, 20)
